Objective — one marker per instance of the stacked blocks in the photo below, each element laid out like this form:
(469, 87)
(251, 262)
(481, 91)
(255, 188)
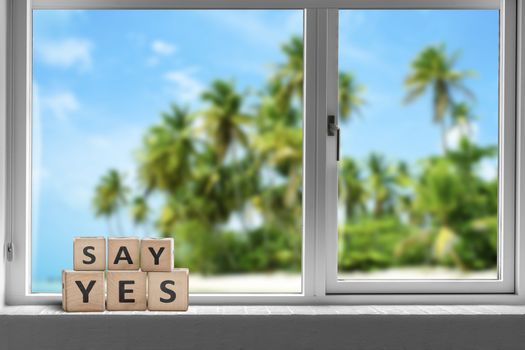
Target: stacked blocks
(140, 276)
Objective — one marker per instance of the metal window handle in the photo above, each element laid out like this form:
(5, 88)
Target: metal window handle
(332, 125)
(333, 130)
(337, 145)
(9, 251)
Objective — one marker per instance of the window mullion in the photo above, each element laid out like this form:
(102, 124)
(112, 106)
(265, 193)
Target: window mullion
(331, 195)
(309, 153)
(326, 199)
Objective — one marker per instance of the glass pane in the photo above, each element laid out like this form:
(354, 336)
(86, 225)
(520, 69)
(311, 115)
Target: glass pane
(418, 183)
(183, 124)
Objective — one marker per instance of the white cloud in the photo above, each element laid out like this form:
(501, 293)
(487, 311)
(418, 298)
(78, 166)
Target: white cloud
(61, 104)
(163, 48)
(66, 53)
(184, 86)
(160, 49)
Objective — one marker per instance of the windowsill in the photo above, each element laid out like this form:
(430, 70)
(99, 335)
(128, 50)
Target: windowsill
(412, 327)
(283, 310)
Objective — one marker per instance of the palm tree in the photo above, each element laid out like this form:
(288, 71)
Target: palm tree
(110, 196)
(350, 99)
(468, 155)
(288, 82)
(139, 210)
(227, 127)
(224, 120)
(462, 116)
(282, 148)
(404, 189)
(433, 68)
(352, 189)
(167, 152)
(285, 147)
(289, 76)
(381, 182)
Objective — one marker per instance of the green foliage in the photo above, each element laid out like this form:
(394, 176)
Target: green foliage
(370, 243)
(350, 93)
(351, 188)
(260, 250)
(110, 196)
(223, 119)
(380, 182)
(168, 151)
(478, 243)
(139, 210)
(451, 221)
(229, 161)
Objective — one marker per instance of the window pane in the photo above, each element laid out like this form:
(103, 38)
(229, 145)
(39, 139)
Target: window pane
(176, 123)
(418, 177)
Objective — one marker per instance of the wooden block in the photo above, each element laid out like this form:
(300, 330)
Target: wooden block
(156, 254)
(168, 291)
(83, 291)
(123, 253)
(89, 253)
(126, 291)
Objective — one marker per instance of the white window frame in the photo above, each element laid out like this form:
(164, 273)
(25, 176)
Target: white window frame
(506, 203)
(319, 282)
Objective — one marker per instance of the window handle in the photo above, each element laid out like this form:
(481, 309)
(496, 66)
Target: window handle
(337, 145)
(333, 130)
(10, 252)
(332, 125)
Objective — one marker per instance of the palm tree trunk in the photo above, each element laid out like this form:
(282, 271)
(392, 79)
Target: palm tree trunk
(349, 209)
(238, 196)
(378, 208)
(444, 142)
(293, 181)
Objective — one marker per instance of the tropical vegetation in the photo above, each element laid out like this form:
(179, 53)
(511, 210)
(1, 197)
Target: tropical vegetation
(224, 179)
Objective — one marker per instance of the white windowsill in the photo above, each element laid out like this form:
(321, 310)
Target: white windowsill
(287, 310)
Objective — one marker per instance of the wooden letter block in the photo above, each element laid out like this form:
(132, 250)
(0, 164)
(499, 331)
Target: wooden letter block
(156, 254)
(83, 291)
(89, 253)
(168, 291)
(123, 253)
(126, 291)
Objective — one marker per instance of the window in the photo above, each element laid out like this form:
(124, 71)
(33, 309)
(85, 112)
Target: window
(418, 174)
(364, 152)
(198, 136)
(419, 168)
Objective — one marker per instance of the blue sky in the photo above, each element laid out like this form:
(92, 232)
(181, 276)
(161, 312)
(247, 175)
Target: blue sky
(102, 77)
